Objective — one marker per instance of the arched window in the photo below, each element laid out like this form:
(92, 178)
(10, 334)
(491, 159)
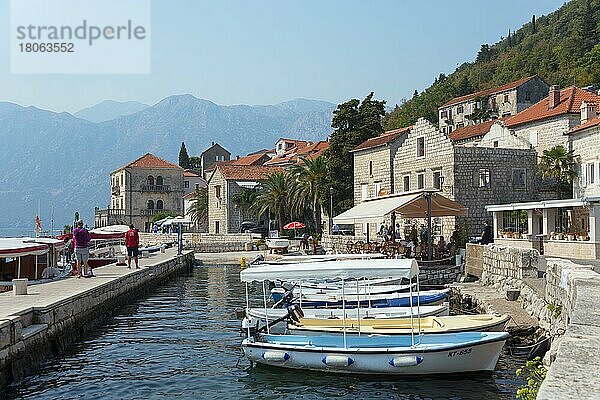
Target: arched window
(159, 180)
(151, 204)
(150, 180)
(159, 204)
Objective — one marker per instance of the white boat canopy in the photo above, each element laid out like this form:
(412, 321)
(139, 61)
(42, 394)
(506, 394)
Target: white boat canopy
(110, 229)
(14, 247)
(339, 269)
(410, 205)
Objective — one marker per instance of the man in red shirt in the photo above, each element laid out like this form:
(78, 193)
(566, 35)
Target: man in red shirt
(132, 242)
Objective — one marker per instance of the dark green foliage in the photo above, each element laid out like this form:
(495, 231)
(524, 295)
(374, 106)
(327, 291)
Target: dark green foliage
(184, 159)
(562, 48)
(353, 123)
(195, 163)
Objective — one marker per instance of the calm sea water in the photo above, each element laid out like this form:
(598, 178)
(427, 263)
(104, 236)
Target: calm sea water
(182, 342)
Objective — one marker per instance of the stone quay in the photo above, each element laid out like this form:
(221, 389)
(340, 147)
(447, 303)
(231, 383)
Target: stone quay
(36, 326)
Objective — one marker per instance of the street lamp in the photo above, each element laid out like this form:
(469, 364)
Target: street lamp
(330, 210)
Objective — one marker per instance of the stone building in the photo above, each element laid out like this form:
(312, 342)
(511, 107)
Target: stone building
(474, 176)
(585, 142)
(295, 150)
(192, 181)
(373, 165)
(546, 123)
(215, 153)
(140, 190)
(501, 101)
(225, 181)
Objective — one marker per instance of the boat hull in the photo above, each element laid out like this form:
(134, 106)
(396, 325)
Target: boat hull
(401, 326)
(376, 313)
(399, 299)
(470, 356)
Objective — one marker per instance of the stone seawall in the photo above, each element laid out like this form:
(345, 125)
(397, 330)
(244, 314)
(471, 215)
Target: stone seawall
(37, 326)
(200, 242)
(565, 299)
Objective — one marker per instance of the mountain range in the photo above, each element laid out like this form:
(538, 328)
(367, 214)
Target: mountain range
(110, 109)
(62, 161)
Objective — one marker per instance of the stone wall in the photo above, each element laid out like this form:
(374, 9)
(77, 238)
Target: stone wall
(201, 242)
(38, 333)
(337, 243)
(501, 164)
(575, 358)
(474, 259)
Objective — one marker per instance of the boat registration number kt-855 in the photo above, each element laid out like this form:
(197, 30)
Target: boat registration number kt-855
(459, 353)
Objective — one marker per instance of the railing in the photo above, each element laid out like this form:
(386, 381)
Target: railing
(110, 212)
(152, 212)
(155, 188)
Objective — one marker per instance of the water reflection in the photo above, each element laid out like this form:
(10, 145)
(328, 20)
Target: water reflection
(182, 341)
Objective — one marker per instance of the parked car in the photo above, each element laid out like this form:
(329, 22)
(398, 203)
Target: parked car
(252, 227)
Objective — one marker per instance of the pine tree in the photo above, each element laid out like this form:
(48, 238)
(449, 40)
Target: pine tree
(533, 28)
(184, 159)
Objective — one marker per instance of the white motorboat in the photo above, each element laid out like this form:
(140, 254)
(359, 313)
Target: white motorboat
(393, 355)
(277, 243)
(375, 313)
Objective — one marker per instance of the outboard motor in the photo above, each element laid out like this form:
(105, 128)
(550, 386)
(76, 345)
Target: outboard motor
(249, 325)
(295, 313)
(257, 260)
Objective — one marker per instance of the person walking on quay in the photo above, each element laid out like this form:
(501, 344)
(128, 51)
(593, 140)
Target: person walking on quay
(132, 242)
(81, 240)
(486, 235)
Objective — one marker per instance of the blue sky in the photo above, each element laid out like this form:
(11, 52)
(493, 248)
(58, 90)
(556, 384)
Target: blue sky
(264, 52)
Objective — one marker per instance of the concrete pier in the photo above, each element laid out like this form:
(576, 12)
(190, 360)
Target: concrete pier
(42, 323)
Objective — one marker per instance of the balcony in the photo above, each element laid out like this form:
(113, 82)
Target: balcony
(155, 188)
(109, 212)
(152, 212)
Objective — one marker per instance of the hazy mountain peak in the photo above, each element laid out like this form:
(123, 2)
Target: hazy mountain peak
(109, 109)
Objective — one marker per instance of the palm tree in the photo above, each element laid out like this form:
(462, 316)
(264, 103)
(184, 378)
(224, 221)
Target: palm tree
(275, 195)
(198, 211)
(558, 164)
(244, 200)
(310, 176)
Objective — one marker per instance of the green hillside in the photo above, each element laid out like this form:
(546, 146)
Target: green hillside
(563, 48)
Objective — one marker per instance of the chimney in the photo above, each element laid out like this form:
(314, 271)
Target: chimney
(588, 111)
(553, 96)
(237, 157)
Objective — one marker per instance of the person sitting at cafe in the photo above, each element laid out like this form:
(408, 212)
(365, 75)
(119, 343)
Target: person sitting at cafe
(441, 247)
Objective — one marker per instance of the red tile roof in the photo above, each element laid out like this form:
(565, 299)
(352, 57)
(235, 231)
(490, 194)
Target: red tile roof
(247, 172)
(385, 138)
(190, 174)
(313, 151)
(253, 159)
(570, 101)
(488, 92)
(151, 161)
(472, 131)
(588, 124)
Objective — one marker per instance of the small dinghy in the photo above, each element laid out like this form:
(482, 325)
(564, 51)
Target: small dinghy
(400, 326)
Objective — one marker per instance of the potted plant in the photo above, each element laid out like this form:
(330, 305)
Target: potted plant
(570, 236)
